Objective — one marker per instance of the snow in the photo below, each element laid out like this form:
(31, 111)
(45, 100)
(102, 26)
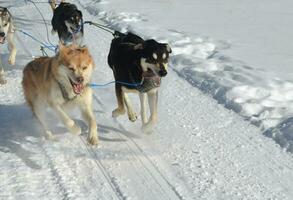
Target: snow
(199, 150)
(236, 52)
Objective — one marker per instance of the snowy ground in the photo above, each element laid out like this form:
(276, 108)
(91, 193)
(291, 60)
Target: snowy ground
(245, 63)
(200, 149)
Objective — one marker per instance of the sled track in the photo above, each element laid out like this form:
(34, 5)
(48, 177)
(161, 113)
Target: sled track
(166, 187)
(111, 182)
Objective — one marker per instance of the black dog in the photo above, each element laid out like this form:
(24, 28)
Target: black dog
(138, 66)
(67, 21)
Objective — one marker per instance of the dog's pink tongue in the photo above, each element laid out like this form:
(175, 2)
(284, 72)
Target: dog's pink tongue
(77, 88)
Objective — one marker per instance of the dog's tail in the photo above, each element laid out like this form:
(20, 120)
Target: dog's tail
(117, 34)
(53, 3)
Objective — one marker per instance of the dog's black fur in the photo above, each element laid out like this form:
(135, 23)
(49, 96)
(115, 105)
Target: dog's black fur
(134, 60)
(125, 55)
(68, 12)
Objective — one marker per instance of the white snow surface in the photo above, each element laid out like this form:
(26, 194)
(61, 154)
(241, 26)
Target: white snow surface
(238, 52)
(199, 149)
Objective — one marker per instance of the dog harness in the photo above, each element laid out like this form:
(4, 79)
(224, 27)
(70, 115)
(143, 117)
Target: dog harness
(149, 82)
(65, 94)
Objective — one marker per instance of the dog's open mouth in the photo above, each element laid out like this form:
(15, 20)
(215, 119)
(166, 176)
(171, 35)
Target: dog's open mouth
(149, 74)
(75, 30)
(72, 29)
(77, 87)
(2, 40)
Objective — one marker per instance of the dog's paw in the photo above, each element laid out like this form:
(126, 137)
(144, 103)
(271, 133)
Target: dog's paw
(93, 140)
(50, 136)
(132, 116)
(11, 61)
(117, 112)
(2, 81)
(53, 32)
(75, 130)
(147, 128)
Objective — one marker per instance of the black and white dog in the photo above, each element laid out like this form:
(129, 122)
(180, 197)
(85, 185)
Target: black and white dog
(138, 66)
(67, 21)
(7, 30)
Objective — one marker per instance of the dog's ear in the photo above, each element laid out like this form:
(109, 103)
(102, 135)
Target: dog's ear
(62, 50)
(168, 48)
(4, 11)
(66, 50)
(138, 46)
(61, 46)
(80, 13)
(84, 50)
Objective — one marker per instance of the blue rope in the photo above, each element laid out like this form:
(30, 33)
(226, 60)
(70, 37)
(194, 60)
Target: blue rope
(112, 82)
(37, 8)
(44, 45)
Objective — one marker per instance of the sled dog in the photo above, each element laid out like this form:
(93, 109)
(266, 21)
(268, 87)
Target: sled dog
(61, 82)
(7, 30)
(67, 21)
(138, 66)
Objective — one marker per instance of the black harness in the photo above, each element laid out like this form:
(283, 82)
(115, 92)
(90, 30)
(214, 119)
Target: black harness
(65, 94)
(149, 82)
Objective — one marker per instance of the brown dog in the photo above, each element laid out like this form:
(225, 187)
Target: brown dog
(61, 82)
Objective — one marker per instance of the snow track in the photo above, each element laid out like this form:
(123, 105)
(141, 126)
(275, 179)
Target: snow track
(149, 178)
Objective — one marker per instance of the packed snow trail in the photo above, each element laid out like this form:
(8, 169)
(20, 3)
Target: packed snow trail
(261, 93)
(199, 150)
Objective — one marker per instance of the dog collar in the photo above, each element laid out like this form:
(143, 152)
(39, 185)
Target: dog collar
(149, 81)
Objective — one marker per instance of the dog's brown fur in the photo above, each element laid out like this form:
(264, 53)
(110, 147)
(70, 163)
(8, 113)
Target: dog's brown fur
(41, 83)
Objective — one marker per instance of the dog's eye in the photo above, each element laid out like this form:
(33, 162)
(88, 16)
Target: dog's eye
(151, 60)
(84, 68)
(5, 24)
(71, 69)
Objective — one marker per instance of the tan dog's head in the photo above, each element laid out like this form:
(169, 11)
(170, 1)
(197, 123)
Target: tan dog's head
(75, 66)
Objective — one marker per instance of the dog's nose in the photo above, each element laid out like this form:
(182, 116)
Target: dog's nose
(163, 73)
(80, 79)
(2, 34)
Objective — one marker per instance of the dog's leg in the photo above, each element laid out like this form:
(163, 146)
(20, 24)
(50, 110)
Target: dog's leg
(120, 100)
(88, 115)
(131, 114)
(39, 111)
(153, 104)
(12, 48)
(143, 99)
(69, 123)
(2, 75)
